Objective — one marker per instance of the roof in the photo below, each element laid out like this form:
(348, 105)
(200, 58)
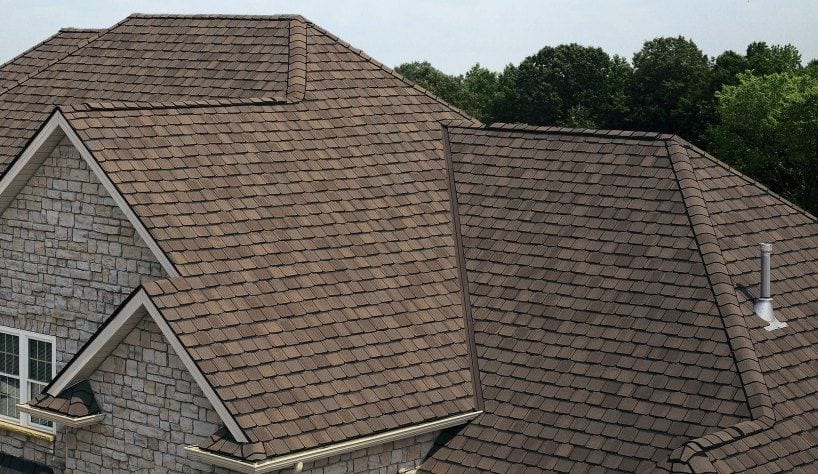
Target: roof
(744, 213)
(355, 256)
(607, 321)
(312, 231)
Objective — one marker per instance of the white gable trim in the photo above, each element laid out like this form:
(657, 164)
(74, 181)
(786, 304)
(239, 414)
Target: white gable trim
(111, 335)
(297, 460)
(38, 150)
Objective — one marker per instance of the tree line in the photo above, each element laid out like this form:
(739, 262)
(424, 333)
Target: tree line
(758, 111)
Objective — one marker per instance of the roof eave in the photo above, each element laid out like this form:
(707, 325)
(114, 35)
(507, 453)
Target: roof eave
(292, 460)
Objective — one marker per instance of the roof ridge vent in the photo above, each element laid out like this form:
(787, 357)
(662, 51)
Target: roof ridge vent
(764, 305)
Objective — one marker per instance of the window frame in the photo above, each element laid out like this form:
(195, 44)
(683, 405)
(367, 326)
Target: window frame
(23, 337)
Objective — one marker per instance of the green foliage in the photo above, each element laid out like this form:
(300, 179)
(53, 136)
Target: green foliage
(756, 110)
(572, 85)
(671, 87)
(478, 91)
(768, 129)
(443, 85)
(763, 59)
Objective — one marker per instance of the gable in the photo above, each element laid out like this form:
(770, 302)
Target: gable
(69, 254)
(41, 146)
(149, 399)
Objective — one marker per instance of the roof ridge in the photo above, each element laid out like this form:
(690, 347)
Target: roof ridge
(546, 129)
(71, 29)
(738, 335)
(391, 71)
(281, 16)
(38, 71)
(297, 60)
(110, 106)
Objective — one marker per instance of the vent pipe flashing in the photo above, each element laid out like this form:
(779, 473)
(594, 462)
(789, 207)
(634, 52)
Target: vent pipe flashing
(764, 305)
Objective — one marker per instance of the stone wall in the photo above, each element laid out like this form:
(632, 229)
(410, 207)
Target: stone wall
(153, 410)
(68, 257)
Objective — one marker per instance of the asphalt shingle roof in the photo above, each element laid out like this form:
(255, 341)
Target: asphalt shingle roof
(599, 339)
(319, 289)
(304, 194)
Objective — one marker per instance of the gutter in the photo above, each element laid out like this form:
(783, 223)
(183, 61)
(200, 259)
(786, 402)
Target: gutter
(70, 421)
(296, 460)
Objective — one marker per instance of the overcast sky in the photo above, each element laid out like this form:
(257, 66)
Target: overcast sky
(454, 34)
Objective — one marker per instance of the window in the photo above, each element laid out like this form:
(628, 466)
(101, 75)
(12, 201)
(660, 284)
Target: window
(26, 367)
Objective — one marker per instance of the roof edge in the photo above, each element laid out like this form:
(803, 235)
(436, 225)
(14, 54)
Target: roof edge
(750, 180)
(110, 334)
(282, 16)
(66, 420)
(294, 459)
(738, 335)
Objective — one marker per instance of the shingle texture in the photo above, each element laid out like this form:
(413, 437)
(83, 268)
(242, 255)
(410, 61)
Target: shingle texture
(77, 401)
(319, 291)
(745, 213)
(325, 217)
(600, 343)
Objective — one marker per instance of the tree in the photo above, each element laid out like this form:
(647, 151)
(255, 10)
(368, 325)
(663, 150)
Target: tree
(478, 91)
(503, 106)
(443, 85)
(567, 85)
(763, 59)
(726, 68)
(671, 87)
(768, 129)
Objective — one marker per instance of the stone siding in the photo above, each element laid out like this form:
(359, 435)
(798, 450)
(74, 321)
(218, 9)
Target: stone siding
(153, 409)
(68, 257)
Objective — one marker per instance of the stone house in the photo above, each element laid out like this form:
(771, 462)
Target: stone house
(236, 243)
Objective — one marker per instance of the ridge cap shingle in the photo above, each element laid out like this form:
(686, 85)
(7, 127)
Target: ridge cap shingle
(550, 129)
(238, 16)
(114, 106)
(756, 392)
(297, 60)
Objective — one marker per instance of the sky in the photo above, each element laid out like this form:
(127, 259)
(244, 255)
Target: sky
(455, 34)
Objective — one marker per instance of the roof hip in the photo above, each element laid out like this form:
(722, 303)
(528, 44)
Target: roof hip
(741, 344)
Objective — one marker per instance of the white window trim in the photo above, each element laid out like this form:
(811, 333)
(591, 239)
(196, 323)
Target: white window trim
(23, 337)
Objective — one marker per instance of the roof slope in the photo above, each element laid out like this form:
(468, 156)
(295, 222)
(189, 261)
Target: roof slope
(599, 338)
(44, 54)
(745, 213)
(151, 58)
(319, 291)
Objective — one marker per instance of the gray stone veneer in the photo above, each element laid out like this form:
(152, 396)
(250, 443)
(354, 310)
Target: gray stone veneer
(68, 257)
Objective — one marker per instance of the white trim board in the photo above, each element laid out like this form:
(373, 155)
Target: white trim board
(294, 459)
(65, 420)
(105, 341)
(38, 150)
